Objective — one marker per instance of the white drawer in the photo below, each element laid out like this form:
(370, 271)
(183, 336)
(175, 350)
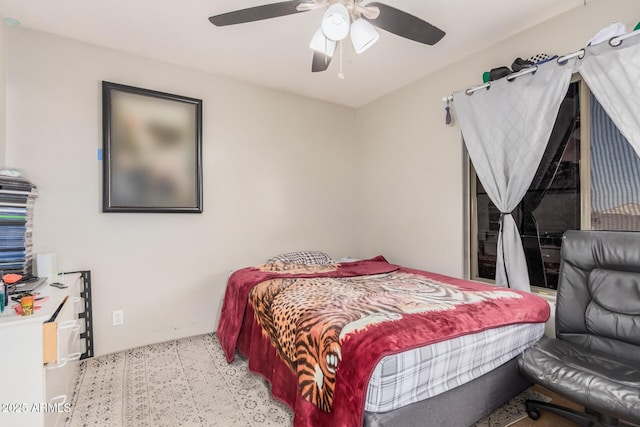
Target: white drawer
(76, 349)
(78, 303)
(59, 384)
(58, 335)
(61, 373)
(56, 389)
(52, 417)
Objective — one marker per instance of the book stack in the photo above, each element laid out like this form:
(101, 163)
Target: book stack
(17, 198)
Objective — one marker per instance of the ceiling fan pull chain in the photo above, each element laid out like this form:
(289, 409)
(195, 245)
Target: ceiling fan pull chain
(340, 74)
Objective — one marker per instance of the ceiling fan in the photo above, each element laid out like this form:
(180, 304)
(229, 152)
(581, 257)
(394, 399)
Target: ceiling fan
(341, 18)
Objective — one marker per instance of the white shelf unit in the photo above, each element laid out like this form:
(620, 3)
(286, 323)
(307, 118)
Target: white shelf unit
(39, 357)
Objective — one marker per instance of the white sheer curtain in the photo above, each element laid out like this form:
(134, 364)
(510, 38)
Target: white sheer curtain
(613, 75)
(506, 130)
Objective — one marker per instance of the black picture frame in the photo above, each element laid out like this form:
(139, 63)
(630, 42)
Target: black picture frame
(152, 151)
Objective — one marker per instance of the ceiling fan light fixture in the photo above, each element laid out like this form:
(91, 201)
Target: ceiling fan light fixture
(320, 43)
(363, 35)
(336, 22)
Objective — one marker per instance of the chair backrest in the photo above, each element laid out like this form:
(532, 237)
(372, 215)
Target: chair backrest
(598, 303)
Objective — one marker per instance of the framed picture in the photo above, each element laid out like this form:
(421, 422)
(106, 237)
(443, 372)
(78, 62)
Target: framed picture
(152, 152)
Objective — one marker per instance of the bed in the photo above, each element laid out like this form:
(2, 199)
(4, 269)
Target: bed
(372, 343)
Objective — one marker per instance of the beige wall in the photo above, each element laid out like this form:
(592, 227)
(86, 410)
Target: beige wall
(3, 90)
(410, 165)
(278, 176)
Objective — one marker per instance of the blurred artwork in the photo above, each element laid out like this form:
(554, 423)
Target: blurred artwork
(152, 151)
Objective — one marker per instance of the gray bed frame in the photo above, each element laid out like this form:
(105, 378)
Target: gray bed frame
(458, 407)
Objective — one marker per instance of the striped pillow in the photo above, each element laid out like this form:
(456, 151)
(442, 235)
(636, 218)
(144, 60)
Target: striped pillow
(303, 257)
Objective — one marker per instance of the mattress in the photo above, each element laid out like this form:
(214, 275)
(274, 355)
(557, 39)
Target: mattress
(414, 375)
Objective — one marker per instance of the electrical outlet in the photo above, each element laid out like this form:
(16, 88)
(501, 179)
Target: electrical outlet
(118, 317)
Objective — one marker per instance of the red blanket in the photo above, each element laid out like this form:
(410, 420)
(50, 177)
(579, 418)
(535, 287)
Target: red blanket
(319, 360)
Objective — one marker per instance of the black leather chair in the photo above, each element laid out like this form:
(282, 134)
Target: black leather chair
(595, 359)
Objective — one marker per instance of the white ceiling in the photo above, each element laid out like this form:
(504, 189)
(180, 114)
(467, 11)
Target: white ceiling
(275, 53)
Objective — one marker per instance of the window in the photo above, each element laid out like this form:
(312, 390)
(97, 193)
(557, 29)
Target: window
(588, 178)
(615, 176)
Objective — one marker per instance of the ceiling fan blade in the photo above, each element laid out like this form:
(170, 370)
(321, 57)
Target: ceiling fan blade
(320, 62)
(258, 13)
(405, 25)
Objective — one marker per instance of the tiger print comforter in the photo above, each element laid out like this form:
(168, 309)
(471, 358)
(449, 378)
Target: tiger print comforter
(330, 325)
